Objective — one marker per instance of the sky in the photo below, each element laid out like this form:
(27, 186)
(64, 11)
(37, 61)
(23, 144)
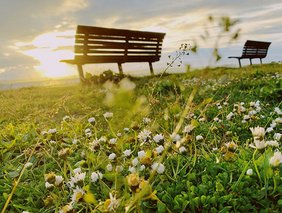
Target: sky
(36, 34)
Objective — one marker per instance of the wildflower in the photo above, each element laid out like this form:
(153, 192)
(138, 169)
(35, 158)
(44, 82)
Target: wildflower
(269, 129)
(92, 120)
(77, 194)
(127, 152)
(67, 208)
(142, 167)
(64, 153)
(66, 118)
(276, 159)
(258, 132)
(58, 180)
(50, 177)
(199, 137)
(52, 142)
(126, 129)
(133, 179)
(182, 149)
(25, 211)
(144, 135)
(249, 172)
(52, 131)
(109, 167)
(252, 112)
(229, 116)
(108, 115)
(119, 134)
(113, 141)
(277, 136)
(188, 128)
(231, 146)
(272, 143)
(246, 117)
(216, 119)
(112, 156)
(175, 138)
(202, 119)
(103, 139)
(252, 104)
(258, 144)
(158, 138)
(146, 120)
(112, 203)
(95, 176)
(94, 144)
(78, 177)
(278, 120)
(135, 162)
(159, 167)
(77, 171)
(141, 154)
(28, 164)
(131, 169)
(159, 149)
(74, 141)
(44, 132)
(278, 111)
(48, 185)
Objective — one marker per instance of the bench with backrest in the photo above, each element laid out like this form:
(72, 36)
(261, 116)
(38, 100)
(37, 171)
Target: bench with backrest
(253, 49)
(108, 45)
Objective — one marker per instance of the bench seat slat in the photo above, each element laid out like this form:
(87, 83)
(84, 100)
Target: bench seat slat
(116, 32)
(116, 59)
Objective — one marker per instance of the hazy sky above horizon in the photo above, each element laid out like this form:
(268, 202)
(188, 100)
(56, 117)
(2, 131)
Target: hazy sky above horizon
(36, 34)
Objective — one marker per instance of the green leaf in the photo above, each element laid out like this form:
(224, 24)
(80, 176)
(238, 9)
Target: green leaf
(161, 207)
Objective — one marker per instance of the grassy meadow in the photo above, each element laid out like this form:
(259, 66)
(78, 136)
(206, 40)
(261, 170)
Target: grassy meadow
(203, 141)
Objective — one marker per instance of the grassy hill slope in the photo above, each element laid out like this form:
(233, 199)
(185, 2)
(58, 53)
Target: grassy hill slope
(176, 143)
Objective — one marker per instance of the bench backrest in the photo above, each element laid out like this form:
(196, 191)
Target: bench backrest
(255, 49)
(105, 45)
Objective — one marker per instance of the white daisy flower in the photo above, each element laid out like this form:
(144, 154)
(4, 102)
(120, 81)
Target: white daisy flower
(91, 120)
(112, 156)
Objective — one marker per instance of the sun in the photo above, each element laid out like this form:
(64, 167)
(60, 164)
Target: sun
(49, 49)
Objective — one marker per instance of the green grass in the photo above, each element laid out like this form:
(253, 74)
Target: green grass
(209, 176)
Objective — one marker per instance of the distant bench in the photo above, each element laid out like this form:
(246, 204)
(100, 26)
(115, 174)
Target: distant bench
(253, 49)
(106, 45)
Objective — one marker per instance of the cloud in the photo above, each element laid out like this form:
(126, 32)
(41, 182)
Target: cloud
(35, 25)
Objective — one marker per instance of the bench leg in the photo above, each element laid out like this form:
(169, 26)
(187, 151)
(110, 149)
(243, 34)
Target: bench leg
(260, 61)
(251, 62)
(120, 69)
(239, 60)
(151, 68)
(80, 72)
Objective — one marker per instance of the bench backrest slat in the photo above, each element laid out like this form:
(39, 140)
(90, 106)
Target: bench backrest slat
(97, 41)
(255, 49)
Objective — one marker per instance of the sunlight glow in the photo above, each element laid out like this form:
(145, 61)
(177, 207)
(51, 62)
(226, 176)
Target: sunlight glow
(49, 49)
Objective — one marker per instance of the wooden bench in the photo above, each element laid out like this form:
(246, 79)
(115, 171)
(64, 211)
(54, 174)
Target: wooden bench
(107, 45)
(253, 49)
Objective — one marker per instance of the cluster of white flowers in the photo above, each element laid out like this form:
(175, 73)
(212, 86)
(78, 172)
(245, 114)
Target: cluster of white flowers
(144, 135)
(159, 167)
(79, 176)
(158, 138)
(146, 120)
(276, 159)
(95, 176)
(127, 152)
(112, 156)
